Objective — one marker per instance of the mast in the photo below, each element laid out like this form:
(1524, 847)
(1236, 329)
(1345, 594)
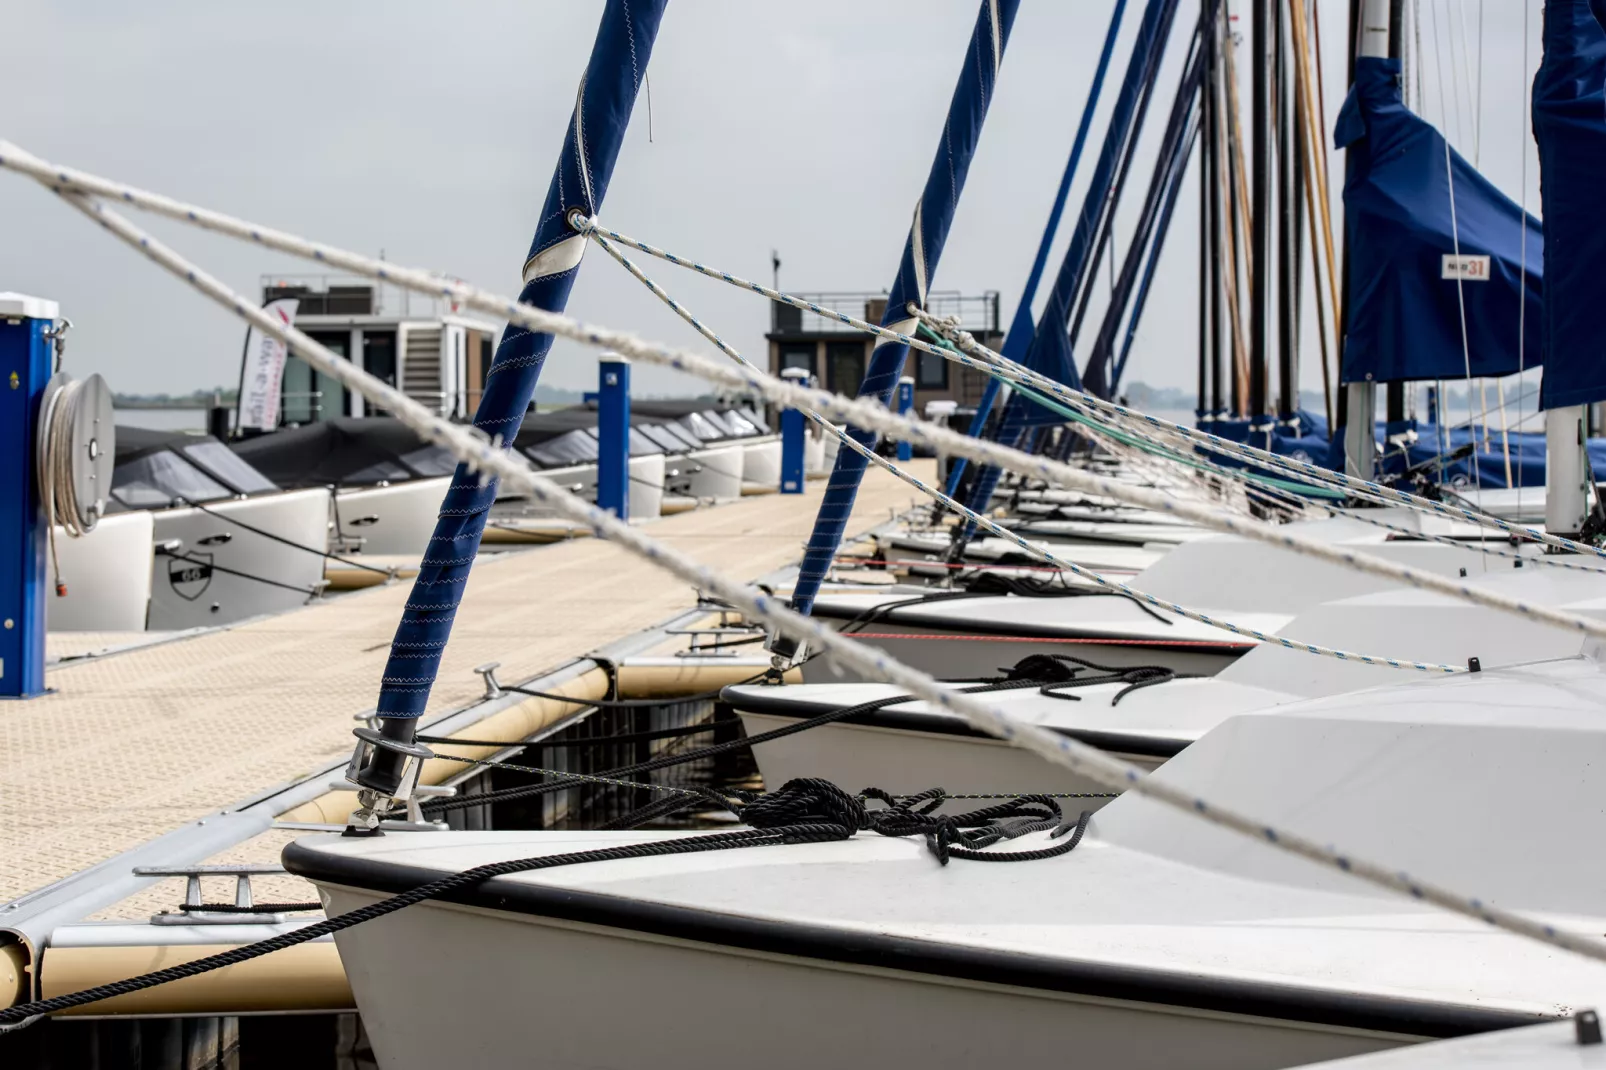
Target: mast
(1299, 162)
(1360, 436)
(934, 212)
(1022, 327)
(1287, 227)
(1394, 392)
(1202, 405)
(607, 95)
(1211, 164)
(1262, 33)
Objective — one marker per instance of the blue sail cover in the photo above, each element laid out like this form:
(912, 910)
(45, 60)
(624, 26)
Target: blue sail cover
(1404, 319)
(934, 213)
(597, 128)
(1569, 116)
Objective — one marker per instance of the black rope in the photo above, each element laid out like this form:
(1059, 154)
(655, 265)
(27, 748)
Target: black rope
(256, 908)
(1134, 676)
(640, 703)
(280, 538)
(310, 592)
(432, 890)
(802, 811)
(991, 584)
(436, 806)
(595, 741)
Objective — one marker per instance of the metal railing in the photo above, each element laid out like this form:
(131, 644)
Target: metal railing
(978, 314)
(350, 295)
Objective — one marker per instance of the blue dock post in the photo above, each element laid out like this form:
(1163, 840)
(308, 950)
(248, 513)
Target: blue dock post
(906, 402)
(25, 367)
(794, 427)
(613, 431)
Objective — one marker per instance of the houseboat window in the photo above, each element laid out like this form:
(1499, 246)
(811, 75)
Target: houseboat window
(931, 372)
(702, 427)
(309, 395)
(760, 426)
(154, 480)
(741, 425)
(222, 463)
(431, 460)
(641, 445)
(687, 440)
(571, 447)
(798, 356)
(845, 361)
(719, 420)
(378, 472)
(661, 435)
(378, 360)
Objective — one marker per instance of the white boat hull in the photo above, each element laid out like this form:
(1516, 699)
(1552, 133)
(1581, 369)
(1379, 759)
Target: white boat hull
(904, 761)
(397, 519)
(107, 574)
(502, 985)
(761, 461)
(194, 591)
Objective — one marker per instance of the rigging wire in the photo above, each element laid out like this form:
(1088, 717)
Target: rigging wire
(483, 456)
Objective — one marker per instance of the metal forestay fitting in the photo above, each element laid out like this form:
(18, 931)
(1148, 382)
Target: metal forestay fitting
(994, 528)
(868, 415)
(483, 456)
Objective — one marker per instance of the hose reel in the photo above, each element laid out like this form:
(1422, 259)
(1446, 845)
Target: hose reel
(75, 448)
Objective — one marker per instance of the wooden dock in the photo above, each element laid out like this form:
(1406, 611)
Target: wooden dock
(135, 744)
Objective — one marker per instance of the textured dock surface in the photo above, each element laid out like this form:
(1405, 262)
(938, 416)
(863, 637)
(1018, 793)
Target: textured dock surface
(137, 743)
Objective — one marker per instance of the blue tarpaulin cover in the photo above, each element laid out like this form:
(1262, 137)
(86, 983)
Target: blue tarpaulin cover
(1405, 317)
(1569, 116)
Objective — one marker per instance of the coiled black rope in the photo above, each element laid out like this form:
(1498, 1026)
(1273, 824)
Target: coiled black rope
(802, 811)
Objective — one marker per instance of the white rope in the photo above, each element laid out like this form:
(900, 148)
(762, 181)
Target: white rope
(490, 459)
(14, 158)
(1310, 472)
(1034, 549)
(869, 415)
(58, 491)
(989, 362)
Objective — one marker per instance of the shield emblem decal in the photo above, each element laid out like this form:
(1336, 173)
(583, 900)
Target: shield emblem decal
(190, 575)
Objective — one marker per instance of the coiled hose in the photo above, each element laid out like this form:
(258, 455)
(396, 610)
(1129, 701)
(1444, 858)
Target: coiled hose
(58, 491)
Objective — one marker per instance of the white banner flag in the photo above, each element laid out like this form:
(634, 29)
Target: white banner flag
(263, 370)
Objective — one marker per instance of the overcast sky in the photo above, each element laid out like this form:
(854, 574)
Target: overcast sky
(429, 132)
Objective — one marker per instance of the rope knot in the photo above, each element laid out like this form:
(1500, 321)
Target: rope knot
(808, 801)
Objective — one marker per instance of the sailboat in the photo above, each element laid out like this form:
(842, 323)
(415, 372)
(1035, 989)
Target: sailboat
(958, 634)
(1157, 942)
